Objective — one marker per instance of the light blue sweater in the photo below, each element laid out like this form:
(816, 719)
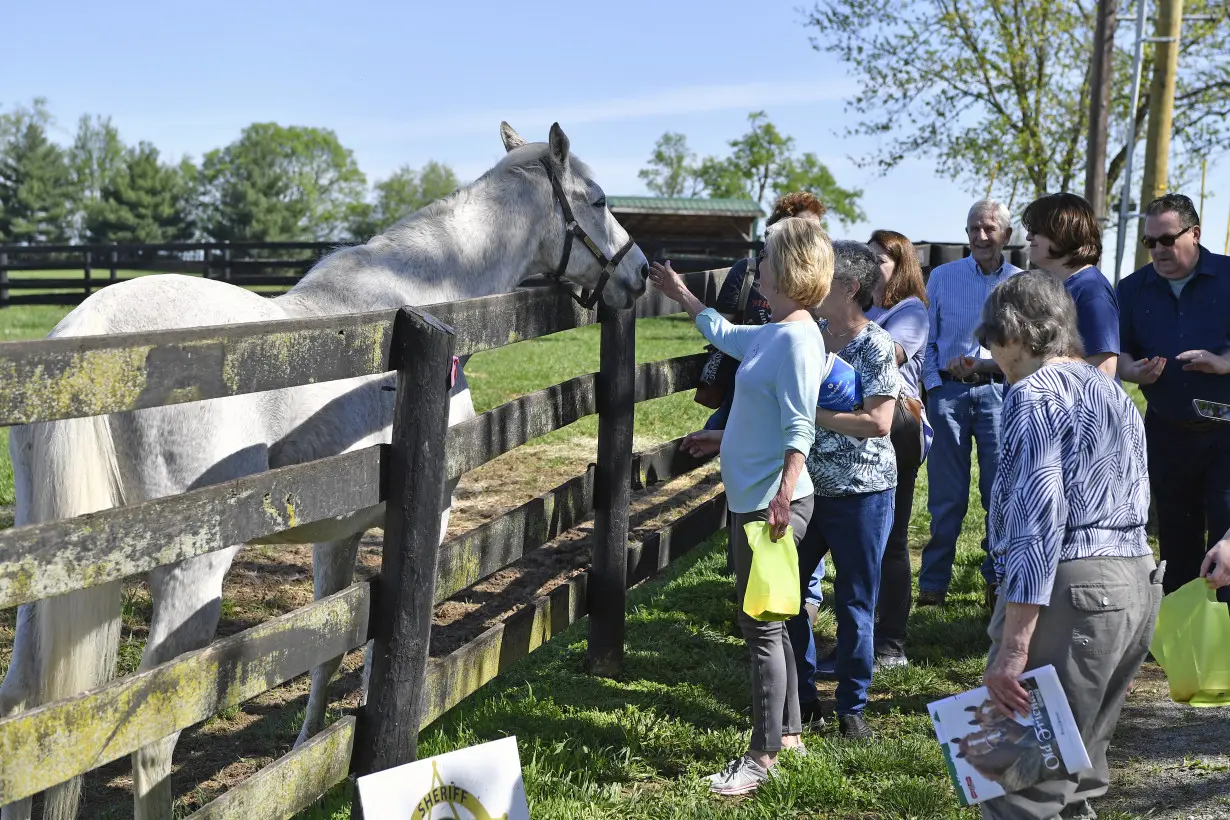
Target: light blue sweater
(774, 408)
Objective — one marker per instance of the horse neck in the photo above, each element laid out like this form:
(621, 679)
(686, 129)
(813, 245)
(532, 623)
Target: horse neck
(477, 242)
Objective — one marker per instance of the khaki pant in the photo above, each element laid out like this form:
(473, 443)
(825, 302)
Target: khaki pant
(1096, 633)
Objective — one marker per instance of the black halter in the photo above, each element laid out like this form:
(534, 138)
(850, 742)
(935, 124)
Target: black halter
(571, 228)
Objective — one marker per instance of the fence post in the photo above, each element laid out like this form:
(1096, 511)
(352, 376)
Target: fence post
(226, 260)
(87, 273)
(115, 262)
(607, 588)
(4, 279)
(404, 593)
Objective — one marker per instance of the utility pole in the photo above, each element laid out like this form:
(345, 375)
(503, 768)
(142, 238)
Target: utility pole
(1099, 105)
(1161, 110)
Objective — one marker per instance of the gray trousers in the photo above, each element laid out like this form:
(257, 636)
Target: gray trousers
(775, 685)
(1096, 633)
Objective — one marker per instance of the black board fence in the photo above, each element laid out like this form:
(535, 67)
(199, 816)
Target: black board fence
(50, 743)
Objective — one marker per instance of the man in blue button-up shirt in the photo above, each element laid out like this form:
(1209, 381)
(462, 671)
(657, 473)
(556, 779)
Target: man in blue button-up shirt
(965, 391)
(1174, 317)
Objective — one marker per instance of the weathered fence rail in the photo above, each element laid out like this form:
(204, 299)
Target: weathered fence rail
(69, 378)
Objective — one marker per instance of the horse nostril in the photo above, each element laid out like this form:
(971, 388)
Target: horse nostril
(644, 270)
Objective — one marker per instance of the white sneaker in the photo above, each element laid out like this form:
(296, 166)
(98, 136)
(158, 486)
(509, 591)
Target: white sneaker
(740, 776)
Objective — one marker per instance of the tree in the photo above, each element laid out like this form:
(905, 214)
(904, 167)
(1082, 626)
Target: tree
(279, 183)
(36, 191)
(996, 92)
(762, 160)
(672, 169)
(144, 200)
(96, 156)
(401, 194)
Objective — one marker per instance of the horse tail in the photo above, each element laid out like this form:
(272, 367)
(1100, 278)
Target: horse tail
(71, 469)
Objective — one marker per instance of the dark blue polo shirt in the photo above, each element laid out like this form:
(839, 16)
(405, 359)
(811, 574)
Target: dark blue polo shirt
(1097, 311)
(758, 310)
(1152, 322)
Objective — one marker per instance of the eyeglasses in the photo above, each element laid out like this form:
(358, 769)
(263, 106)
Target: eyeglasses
(1168, 240)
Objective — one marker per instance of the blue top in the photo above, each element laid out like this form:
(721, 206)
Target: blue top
(907, 322)
(758, 311)
(1154, 322)
(774, 408)
(1097, 311)
(1072, 480)
(844, 465)
(957, 291)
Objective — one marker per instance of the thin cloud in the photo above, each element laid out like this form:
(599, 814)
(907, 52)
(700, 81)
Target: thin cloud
(671, 101)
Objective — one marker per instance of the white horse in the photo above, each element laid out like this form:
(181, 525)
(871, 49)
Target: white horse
(483, 239)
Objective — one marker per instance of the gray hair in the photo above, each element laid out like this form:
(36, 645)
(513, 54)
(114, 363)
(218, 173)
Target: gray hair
(1000, 211)
(855, 263)
(1035, 310)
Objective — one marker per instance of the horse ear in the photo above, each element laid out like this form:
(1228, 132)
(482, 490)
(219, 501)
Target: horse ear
(511, 138)
(559, 144)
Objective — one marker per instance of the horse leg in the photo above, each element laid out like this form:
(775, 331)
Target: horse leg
(20, 687)
(332, 571)
(187, 604)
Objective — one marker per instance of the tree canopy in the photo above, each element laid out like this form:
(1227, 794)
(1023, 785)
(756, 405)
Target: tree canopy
(761, 162)
(36, 191)
(401, 194)
(996, 92)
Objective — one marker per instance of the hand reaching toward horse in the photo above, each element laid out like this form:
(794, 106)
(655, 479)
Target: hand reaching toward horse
(672, 286)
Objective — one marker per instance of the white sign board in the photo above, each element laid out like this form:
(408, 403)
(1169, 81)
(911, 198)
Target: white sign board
(476, 783)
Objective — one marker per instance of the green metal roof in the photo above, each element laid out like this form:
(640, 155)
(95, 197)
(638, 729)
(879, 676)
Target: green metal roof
(685, 205)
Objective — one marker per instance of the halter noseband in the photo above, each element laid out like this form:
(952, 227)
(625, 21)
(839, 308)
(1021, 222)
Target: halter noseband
(571, 228)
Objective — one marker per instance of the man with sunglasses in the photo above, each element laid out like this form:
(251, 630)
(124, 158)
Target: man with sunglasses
(1174, 319)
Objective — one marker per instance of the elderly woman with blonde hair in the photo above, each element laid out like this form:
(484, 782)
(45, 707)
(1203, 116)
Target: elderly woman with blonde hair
(768, 434)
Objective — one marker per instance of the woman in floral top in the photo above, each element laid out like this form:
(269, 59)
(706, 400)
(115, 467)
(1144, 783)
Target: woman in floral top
(853, 467)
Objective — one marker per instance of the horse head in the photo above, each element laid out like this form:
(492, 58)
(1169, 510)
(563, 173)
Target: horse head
(581, 241)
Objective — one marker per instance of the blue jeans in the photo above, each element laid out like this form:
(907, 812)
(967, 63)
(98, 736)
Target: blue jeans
(855, 529)
(960, 414)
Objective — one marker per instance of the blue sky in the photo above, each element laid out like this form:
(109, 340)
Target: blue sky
(412, 81)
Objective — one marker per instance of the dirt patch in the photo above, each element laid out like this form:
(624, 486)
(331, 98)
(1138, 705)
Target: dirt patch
(1169, 760)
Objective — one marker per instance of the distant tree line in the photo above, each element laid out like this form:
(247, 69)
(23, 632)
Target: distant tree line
(761, 166)
(274, 183)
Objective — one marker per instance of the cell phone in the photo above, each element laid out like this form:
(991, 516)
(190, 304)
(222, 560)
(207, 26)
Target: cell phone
(1212, 409)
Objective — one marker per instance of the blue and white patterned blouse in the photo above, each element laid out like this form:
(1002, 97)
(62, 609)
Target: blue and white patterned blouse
(844, 465)
(1072, 481)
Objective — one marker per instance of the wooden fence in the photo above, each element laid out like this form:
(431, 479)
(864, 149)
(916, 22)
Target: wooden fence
(275, 266)
(47, 380)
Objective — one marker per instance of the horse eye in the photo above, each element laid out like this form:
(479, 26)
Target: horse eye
(600, 203)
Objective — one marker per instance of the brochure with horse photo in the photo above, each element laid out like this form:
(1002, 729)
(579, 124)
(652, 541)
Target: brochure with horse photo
(989, 754)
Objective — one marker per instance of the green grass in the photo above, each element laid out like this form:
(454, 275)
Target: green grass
(638, 746)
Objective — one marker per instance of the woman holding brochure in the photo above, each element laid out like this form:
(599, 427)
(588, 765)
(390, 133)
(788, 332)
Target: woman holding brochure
(768, 433)
(1078, 586)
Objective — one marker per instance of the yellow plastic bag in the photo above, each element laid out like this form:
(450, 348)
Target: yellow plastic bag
(773, 585)
(1191, 643)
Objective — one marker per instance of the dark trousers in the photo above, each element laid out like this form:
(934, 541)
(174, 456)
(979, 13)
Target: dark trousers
(1189, 474)
(854, 528)
(775, 690)
(895, 589)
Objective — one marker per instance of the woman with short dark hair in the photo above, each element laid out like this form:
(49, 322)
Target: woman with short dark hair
(1078, 586)
(1065, 240)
